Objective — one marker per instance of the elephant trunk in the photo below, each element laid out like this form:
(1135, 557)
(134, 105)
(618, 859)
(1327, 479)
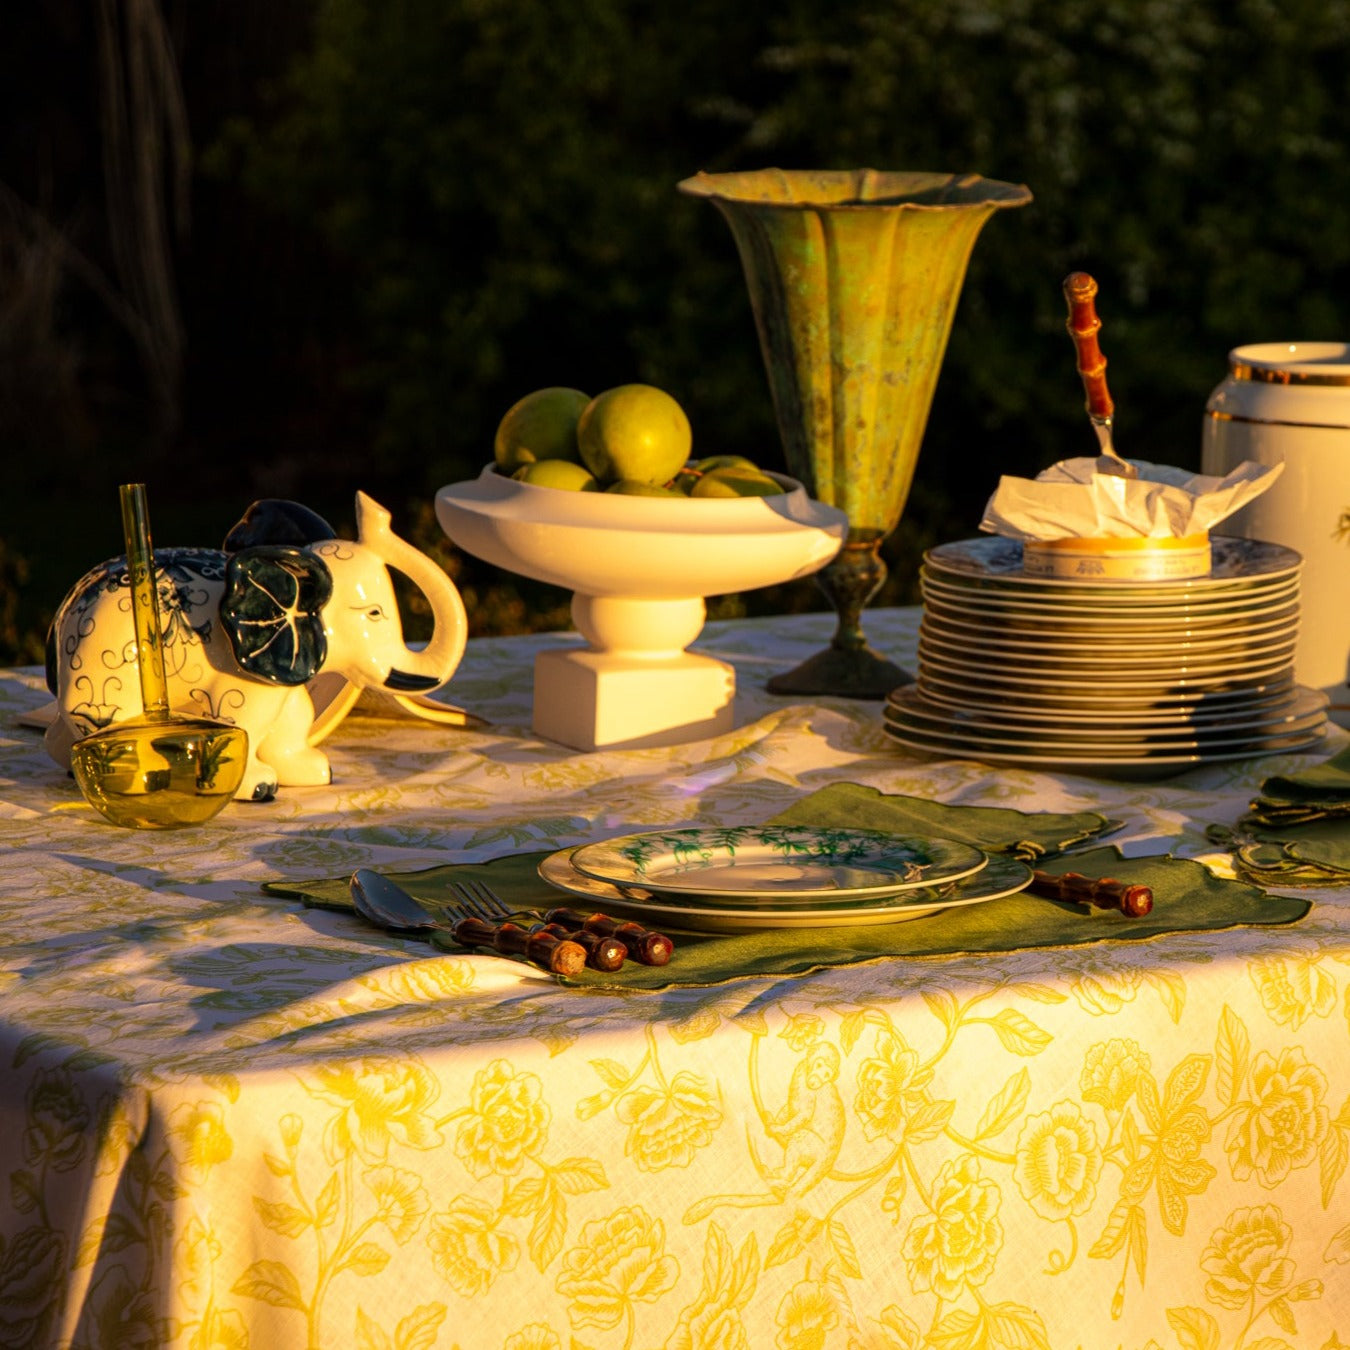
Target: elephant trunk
(435, 663)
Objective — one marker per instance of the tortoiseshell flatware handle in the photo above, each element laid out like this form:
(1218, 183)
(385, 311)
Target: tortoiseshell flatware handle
(1100, 892)
(651, 949)
(1080, 290)
(560, 955)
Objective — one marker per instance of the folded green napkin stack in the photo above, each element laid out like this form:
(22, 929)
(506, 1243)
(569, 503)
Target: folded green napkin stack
(1187, 897)
(1298, 798)
(1029, 836)
(1297, 832)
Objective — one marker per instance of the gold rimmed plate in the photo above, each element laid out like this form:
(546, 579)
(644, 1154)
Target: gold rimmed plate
(1087, 696)
(1232, 640)
(1287, 705)
(1136, 658)
(999, 877)
(910, 711)
(1062, 614)
(1050, 677)
(995, 562)
(1254, 599)
(1144, 765)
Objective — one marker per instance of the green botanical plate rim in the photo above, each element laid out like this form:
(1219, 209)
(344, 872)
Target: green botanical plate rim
(669, 861)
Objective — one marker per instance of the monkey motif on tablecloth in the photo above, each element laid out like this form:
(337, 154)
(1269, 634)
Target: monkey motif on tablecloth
(810, 1129)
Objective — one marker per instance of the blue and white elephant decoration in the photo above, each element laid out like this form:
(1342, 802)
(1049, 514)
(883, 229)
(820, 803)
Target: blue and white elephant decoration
(247, 627)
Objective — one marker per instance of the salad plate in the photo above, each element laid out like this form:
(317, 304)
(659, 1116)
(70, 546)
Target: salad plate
(996, 562)
(1070, 604)
(1143, 766)
(1089, 696)
(914, 714)
(782, 863)
(1102, 744)
(1289, 704)
(1065, 613)
(1022, 675)
(1141, 659)
(999, 877)
(1231, 639)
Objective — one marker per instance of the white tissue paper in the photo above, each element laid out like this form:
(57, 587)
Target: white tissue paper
(1090, 499)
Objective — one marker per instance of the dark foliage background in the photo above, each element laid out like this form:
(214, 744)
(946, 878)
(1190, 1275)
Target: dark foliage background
(376, 223)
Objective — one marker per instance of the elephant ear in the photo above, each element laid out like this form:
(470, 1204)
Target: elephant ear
(271, 612)
(276, 521)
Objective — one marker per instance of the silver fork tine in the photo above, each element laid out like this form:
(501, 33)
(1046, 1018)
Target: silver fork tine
(486, 902)
(465, 902)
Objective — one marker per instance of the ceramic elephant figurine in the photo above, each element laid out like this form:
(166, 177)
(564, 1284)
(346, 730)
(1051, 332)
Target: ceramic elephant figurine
(246, 627)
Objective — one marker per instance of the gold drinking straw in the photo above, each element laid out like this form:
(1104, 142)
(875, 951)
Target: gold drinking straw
(144, 601)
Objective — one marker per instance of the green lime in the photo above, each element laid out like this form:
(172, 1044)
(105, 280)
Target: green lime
(540, 426)
(725, 462)
(635, 432)
(626, 487)
(556, 473)
(736, 482)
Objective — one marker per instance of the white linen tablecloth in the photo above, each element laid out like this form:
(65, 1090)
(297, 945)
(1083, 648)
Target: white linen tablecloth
(228, 1121)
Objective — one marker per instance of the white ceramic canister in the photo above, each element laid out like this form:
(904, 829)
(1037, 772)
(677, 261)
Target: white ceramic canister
(1289, 403)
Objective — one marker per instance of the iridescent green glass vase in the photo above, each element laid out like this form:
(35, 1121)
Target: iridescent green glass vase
(854, 276)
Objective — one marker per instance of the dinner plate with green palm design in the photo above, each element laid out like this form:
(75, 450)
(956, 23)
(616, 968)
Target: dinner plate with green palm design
(781, 863)
(688, 914)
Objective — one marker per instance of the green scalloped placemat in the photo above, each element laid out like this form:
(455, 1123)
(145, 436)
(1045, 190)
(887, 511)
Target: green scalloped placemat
(1187, 898)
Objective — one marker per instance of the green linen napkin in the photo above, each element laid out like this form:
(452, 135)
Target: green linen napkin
(1317, 854)
(996, 829)
(1325, 785)
(1187, 898)
(1297, 831)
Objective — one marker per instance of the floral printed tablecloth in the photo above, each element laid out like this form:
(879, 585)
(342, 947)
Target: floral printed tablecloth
(229, 1121)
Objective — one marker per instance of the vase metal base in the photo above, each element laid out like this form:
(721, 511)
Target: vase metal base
(846, 672)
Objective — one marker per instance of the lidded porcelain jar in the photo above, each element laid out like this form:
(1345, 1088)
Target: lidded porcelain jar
(1289, 403)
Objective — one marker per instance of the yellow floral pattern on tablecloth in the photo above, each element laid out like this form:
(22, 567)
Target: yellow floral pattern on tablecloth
(231, 1124)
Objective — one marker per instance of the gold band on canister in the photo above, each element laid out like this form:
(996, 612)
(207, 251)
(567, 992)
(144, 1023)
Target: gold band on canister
(1132, 559)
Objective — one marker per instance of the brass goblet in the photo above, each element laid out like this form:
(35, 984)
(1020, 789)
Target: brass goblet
(854, 277)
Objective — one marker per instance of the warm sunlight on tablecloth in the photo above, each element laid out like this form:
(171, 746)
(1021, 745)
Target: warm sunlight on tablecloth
(229, 1121)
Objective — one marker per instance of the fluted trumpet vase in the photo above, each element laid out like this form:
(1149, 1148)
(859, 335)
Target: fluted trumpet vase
(854, 276)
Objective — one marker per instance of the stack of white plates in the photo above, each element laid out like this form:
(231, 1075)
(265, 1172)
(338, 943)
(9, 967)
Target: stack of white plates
(1112, 676)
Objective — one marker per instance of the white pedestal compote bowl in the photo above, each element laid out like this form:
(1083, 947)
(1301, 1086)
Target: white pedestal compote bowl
(639, 569)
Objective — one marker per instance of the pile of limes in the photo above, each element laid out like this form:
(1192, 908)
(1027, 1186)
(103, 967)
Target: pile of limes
(634, 440)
